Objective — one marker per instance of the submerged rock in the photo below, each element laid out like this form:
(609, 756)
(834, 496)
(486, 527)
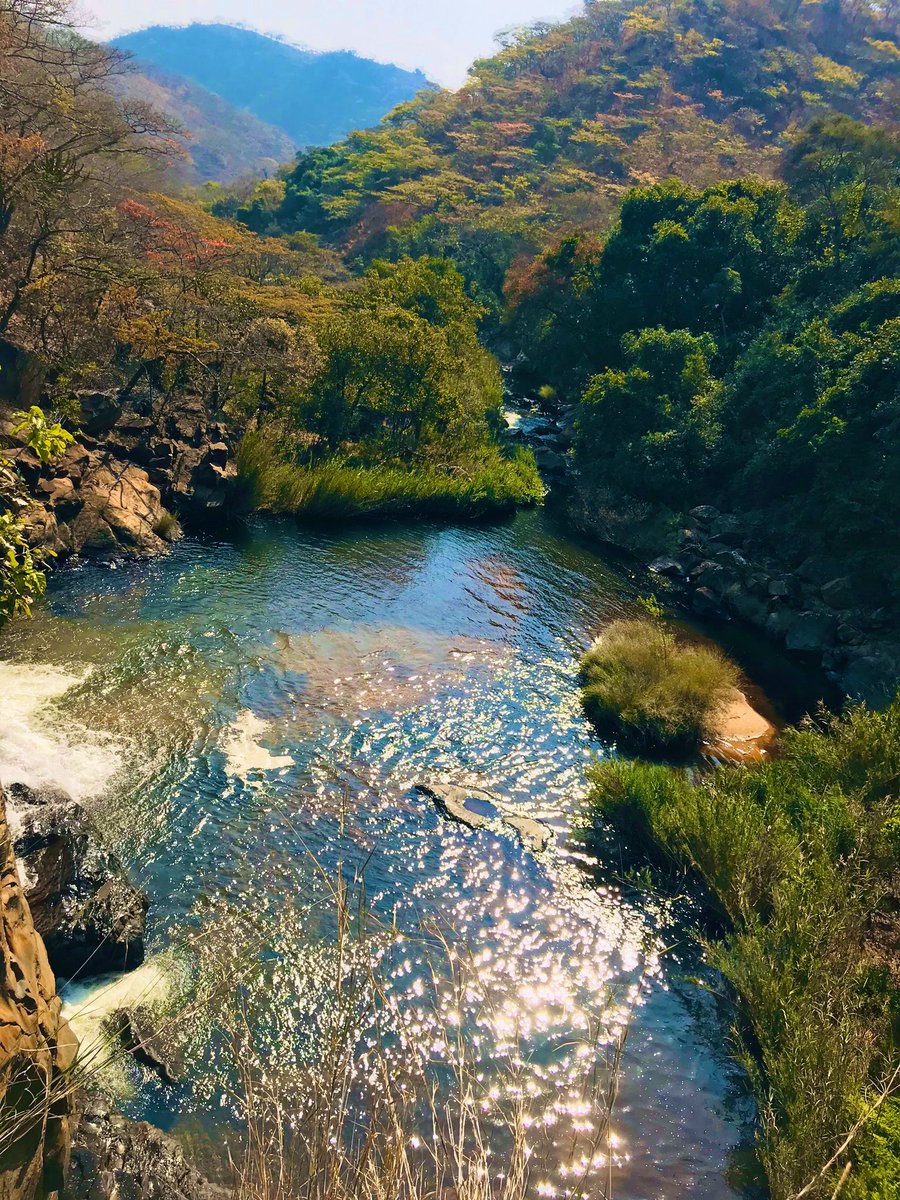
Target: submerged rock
(479, 808)
(137, 1029)
(89, 914)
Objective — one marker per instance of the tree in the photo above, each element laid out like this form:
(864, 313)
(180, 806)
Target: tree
(842, 170)
(64, 145)
(21, 577)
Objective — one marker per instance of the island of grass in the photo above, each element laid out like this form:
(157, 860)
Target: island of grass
(333, 489)
(656, 694)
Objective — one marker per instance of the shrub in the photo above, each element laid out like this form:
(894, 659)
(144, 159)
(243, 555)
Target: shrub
(656, 693)
(795, 853)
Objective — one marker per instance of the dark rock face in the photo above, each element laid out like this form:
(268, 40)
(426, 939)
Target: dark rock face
(37, 1047)
(812, 610)
(88, 913)
(117, 1159)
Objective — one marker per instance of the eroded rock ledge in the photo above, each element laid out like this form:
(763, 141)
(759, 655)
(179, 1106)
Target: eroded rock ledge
(37, 1048)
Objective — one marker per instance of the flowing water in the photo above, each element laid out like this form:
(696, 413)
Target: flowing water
(257, 708)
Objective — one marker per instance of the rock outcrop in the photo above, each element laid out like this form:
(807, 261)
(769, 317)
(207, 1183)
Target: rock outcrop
(117, 1159)
(812, 610)
(89, 914)
(135, 464)
(37, 1049)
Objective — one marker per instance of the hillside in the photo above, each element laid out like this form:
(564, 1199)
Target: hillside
(553, 130)
(222, 142)
(314, 98)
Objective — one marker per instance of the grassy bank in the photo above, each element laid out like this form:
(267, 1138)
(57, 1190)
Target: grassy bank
(333, 489)
(654, 692)
(800, 860)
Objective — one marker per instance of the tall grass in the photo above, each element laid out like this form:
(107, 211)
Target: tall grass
(333, 490)
(656, 693)
(371, 1108)
(796, 856)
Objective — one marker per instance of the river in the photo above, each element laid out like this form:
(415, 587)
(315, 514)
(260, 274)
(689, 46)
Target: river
(259, 707)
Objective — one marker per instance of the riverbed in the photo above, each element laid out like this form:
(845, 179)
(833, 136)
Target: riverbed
(253, 713)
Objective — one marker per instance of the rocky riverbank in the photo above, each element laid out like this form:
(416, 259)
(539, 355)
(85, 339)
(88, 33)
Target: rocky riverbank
(812, 610)
(137, 465)
(712, 567)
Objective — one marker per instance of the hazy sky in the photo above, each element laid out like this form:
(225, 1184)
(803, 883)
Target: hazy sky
(440, 36)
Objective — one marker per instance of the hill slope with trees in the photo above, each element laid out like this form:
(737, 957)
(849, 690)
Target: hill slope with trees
(552, 131)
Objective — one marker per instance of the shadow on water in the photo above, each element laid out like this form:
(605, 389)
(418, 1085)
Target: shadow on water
(274, 696)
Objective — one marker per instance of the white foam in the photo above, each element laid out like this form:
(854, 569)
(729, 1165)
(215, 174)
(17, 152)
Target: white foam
(39, 746)
(87, 1006)
(243, 753)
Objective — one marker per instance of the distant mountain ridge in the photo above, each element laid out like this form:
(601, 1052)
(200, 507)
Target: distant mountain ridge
(222, 142)
(313, 98)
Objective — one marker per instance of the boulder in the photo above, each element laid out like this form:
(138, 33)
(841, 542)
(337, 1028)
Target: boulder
(89, 914)
(706, 603)
(121, 510)
(705, 514)
(668, 567)
(137, 1029)
(839, 593)
(810, 631)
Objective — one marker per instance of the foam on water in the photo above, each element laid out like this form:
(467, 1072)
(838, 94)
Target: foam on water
(39, 746)
(243, 751)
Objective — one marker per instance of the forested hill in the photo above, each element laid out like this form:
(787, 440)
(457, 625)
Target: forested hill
(554, 128)
(313, 98)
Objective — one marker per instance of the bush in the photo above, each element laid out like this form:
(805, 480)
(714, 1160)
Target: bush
(656, 693)
(332, 490)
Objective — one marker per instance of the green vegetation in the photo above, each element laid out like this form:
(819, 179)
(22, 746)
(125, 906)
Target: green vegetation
(550, 133)
(333, 489)
(658, 694)
(21, 577)
(752, 362)
(796, 856)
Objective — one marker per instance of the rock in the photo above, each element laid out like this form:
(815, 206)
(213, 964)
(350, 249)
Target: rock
(779, 588)
(668, 567)
(712, 577)
(37, 1047)
(99, 411)
(747, 607)
(121, 510)
(89, 914)
(705, 514)
(839, 593)
(810, 631)
(869, 676)
(477, 808)
(117, 1159)
(534, 835)
(706, 603)
(551, 462)
(136, 1029)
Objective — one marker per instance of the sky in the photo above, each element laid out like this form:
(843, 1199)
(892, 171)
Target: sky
(442, 37)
